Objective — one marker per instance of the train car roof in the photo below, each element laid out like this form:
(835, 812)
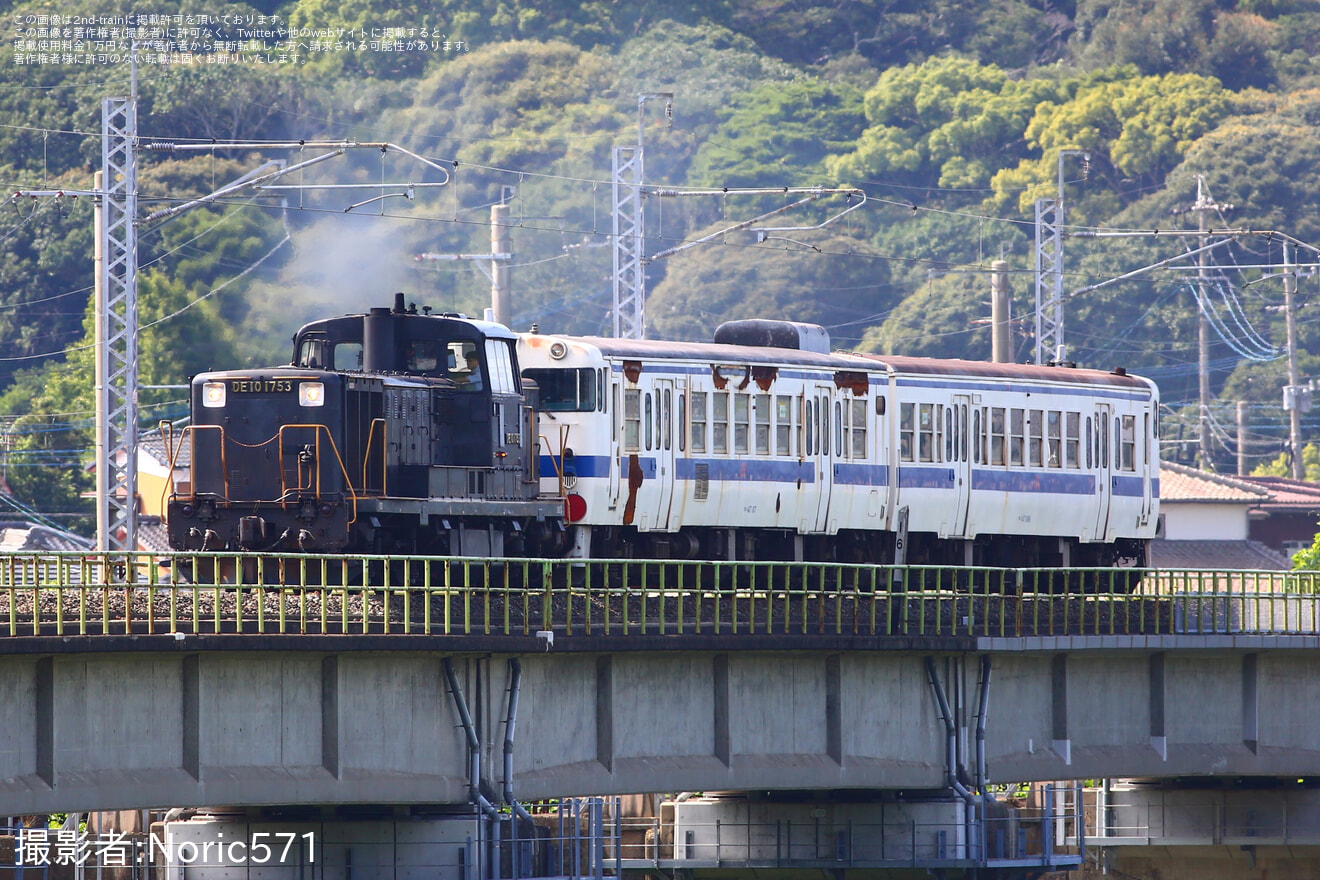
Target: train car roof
(898, 365)
(1019, 372)
(487, 329)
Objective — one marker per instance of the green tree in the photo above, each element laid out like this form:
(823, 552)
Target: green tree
(1135, 129)
(780, 134)
(948, 122)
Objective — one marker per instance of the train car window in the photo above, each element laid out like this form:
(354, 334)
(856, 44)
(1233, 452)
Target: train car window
(1090, 461)
(1017, 435)
(948, 433)
(1035, 436)
(823, 433)
(312, 354)
(1103, 440)
(859, 429)
(566, 390)
(997, 435)
(761, 405)
(668, 418)
(1147, 440)
(906, 431)
(741, 423)
(783, 424)
(682, 423)
(614, 425)
(809, 421)
(632, 419)
(966, 433)
(601, 383)
(977, 440)
(346, 356)
(1054, 438)
(649, 425)
(719, 422)
(499, 368)
(1128, 444)
(838, 430)
(698, 421)
(423, 355)
(1073, 442)
(925, 432)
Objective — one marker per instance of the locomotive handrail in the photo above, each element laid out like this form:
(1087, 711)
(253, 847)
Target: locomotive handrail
(116, 593)
(343, 469)
(192, 482)
(384, 457)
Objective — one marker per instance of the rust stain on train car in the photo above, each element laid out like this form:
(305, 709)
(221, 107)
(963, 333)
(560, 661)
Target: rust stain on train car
(747, 377)
(852, 381)
(632, 371)
(764, 377)
(718, 378)
(634, 483)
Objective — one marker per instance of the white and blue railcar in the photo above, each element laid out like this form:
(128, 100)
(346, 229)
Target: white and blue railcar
(763, 445)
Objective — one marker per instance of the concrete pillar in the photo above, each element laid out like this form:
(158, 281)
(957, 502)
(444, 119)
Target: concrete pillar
(1000, 313)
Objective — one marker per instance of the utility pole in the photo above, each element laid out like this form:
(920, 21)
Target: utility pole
(1299, 397)
(1000, 316)
(499, 269)
(1204, 203)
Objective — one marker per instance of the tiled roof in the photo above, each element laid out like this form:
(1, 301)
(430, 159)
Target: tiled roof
(16, 536)
(1232, 555)
(154, 445)
(152, 535)
(1181, 483)
(1286, 494)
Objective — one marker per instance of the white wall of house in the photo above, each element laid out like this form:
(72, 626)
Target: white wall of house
(1198, 521)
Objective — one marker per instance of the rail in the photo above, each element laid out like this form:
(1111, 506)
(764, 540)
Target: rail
(120, 593)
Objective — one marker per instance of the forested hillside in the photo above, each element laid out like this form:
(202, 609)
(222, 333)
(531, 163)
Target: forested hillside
(949, 115)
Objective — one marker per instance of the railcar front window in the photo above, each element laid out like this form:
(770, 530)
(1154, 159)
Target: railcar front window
(565, 390)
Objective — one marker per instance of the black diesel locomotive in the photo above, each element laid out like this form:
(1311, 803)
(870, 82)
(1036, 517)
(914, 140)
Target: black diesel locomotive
(393, 431)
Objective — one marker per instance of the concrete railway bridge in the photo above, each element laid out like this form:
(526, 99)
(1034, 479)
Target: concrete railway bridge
(417, 682)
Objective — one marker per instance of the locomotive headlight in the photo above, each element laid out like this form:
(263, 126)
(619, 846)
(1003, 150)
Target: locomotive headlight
(213, 394)
(558, 350)
(311, 393)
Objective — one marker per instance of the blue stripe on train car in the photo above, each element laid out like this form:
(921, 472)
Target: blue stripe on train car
(1129, 487)
(1033, 481)
(861, 474)
(748, 469)
(911, 477)
(583, 465)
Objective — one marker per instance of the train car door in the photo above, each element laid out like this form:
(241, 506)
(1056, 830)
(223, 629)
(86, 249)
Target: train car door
(820, 413)
(662, 477)
(1099, 457)
(958, 444)
(616, 431)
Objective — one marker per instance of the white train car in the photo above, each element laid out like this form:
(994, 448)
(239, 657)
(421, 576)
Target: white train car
(785, 451)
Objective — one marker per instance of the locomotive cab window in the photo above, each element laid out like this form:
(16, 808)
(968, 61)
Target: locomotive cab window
(314, 354)
(567, 390)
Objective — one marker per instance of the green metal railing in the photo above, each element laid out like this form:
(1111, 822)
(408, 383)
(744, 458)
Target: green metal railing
(125, 593)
